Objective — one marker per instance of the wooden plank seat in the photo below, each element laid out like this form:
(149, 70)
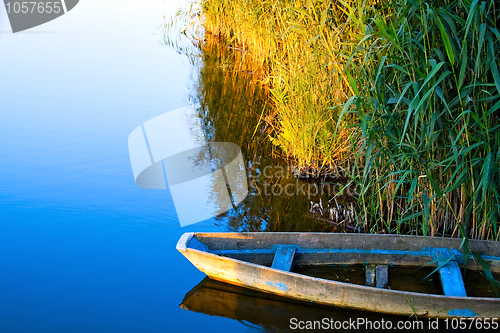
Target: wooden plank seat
(283, 258)
(451, 280)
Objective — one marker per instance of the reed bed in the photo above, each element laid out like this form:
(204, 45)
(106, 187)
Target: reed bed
(427, 97)
(402, 94)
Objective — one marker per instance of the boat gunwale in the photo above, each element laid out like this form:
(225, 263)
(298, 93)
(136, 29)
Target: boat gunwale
(431, 252)
(353, 235)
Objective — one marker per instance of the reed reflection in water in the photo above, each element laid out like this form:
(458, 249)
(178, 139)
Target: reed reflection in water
(234, 108)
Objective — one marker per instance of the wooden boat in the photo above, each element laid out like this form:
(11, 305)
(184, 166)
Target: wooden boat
(264, 262)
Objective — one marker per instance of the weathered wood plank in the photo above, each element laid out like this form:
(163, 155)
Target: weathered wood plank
(283, 258)
(382, 276)
(451, 280)
(363, 242)
(336, 256)
(370, 275)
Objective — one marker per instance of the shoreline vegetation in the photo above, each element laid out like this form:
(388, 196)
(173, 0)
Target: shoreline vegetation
(403, 96)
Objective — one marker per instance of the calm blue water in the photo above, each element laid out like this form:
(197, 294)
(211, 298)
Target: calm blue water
(82, 248)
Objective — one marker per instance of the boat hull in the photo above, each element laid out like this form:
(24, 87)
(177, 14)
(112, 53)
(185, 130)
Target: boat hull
(326, 292)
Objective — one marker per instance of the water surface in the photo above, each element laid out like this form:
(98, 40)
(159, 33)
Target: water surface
(82, 248)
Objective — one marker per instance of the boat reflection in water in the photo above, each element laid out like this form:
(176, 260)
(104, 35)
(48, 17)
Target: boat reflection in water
(272, 313)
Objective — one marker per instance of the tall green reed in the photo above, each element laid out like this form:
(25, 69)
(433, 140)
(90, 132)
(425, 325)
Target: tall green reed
(428, 105)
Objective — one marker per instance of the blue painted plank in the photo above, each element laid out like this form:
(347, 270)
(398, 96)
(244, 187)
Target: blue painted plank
(427, 252)
(283, 258)
(451, 280)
